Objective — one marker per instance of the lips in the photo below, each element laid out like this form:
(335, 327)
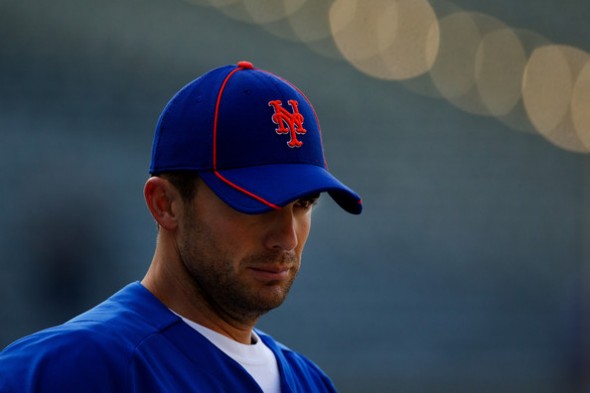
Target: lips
(270, 273)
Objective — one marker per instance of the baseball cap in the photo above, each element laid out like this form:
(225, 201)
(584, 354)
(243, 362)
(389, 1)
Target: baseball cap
(253, 137)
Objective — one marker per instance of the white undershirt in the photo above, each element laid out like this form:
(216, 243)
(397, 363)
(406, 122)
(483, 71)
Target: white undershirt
(256, 358)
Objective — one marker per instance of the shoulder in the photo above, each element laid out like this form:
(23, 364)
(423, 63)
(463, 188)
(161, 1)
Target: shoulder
(64, 358)
(92, 350)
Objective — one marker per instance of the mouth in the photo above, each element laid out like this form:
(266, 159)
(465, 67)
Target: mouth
(271, 273)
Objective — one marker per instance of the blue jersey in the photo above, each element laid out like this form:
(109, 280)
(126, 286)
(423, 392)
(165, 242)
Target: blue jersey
(133, 343)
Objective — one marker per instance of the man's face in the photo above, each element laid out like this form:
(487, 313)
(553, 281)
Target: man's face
(242, 265)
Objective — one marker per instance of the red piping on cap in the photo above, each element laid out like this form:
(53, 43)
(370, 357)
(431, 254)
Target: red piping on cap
(259, 199)
(217, 104)
(241, 66)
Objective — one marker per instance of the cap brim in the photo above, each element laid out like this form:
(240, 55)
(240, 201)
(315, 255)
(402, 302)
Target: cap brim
(257, 189)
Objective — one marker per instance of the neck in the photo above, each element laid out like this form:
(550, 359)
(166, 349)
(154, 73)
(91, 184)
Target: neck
(172, 286)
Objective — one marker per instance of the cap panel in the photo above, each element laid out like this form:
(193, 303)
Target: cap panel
(259, 115)
(184, 133)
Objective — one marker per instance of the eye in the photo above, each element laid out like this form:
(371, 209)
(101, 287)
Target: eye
(308, 201)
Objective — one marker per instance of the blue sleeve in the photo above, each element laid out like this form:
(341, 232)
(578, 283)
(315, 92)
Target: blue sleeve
(56, 361)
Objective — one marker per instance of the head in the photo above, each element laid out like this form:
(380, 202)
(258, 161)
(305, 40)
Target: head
(237, 164)
(242, 265)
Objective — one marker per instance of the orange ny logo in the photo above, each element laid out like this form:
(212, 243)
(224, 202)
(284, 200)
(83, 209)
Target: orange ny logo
(286, 122)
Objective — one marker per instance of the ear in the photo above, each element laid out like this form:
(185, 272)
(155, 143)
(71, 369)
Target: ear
(163, 201)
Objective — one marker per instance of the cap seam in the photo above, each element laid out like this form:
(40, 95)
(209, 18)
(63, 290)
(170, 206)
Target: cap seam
(216, 113)
(215, 124)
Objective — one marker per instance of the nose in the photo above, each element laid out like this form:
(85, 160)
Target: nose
(281, 232)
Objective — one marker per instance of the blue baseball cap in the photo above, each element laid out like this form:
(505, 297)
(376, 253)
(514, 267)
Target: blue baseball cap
(253, 137)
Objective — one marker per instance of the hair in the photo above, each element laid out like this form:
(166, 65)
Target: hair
(184, 181)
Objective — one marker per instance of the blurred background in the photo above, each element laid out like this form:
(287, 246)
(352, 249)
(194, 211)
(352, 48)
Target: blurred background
(464, 125)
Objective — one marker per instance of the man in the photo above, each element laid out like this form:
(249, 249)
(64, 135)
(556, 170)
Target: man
(237, 164)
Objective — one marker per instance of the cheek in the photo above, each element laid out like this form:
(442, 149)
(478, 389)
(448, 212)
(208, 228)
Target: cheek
(237, 240)
(303, 230)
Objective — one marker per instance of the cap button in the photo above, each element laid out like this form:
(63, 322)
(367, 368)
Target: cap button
(245, 64)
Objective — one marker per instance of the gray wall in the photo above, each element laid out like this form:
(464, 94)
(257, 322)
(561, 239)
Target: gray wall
(467, 272)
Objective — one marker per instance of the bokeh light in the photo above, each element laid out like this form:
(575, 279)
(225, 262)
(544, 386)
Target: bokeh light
(396, 41)
(267, 11)
(472, 60)
(453, 72)
(580, 105)
(466, 65)
(517, 118)
(408, 47)
(500, 62)
(354, 29)
(547, 92)
(311, 22)
(311, 25)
